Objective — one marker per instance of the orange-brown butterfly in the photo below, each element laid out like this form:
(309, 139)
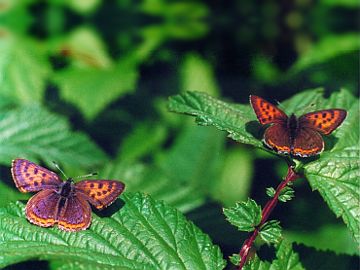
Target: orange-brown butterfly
(64, 203)
(295, 136)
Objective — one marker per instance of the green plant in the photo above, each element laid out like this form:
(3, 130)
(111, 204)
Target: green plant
(333, 174)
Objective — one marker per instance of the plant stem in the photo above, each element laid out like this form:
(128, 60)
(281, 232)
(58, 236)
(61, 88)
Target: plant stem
(269, 206)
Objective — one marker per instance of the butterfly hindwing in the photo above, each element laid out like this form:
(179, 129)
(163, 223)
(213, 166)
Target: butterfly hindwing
(100, 193)
(324, 121)
(30, 177)
(308, 142)
(41, 208)
(266, 112)
(277, 137)
(74, 214)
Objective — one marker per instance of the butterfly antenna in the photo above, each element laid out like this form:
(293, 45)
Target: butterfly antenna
(60, 170)
(87, 175)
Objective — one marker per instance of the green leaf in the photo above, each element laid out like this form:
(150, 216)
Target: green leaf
(85, 49)
(336, 173)
(270, 192)
(270, 232)
(341, 3)
(287, 259)
(143, 234)
(197, 74)
(213, 112)
(235, 259)
(177, 180)
(319, 239)
(326, 49)
(235, 181)
(8, 194)
(24, 69)
(138, 143)
(286, 194)
(244, 215)
(256, 264)
(34, 133)
(91, 90)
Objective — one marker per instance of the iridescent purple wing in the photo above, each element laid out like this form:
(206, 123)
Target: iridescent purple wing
(30, 177)
(74, 214)
(100, 193)
(41, 209)
(277, 137)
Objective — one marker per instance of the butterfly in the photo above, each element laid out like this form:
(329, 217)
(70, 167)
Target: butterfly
(295, 136)
(64, 203)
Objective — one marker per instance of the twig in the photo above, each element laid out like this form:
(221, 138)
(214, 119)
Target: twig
(270, 205)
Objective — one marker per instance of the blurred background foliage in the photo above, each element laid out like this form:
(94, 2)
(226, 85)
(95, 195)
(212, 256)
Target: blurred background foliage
(105, 69)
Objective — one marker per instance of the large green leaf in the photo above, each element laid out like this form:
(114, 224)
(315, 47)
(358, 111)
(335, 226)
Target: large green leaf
(143, 234)
(8, 194)
(211, 111)
(336, 173)
(23, 67)
(92, 89)
(34, 133)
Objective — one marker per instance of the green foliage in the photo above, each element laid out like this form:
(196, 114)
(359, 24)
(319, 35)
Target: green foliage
(244, 215)
(319, 239)
(270, 232)
(285, 195)
(329, 47)
(108, 67)
(334, 174)
(210, 111)
(35, 133)
(145, 234)
(177, 180)
(197, 74)
(92, 89)
(23, 68)
(286, 259)
(235, 181)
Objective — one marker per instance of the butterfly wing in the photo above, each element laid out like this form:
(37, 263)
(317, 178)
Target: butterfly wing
(277, 137)
(325, 121)
(41, 208)
(266, 112)
(30, 177)
(308, 142)
(100, 193)
(74, 214)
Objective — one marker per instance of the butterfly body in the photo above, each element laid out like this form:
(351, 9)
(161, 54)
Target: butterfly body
(64, 203)
(297, 136)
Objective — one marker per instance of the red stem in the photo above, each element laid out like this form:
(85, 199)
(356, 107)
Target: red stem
(270, 205)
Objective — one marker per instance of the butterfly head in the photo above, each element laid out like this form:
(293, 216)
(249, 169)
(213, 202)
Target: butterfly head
(66, 188)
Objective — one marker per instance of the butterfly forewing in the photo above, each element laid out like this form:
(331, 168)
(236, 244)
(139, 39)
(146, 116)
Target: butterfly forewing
(308, 142)
(42, 207)
(277, 137)
(74, 214)
(266, 112)
(324, 121)
(30, 177)
(100, 193)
